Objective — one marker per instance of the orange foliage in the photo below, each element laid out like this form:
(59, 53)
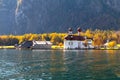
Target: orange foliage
(88, 33)
(99, 36)
(98, 41)
(112, 44)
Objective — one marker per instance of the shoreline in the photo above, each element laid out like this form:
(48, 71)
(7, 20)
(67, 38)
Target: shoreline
(57, 48)
(7, 47)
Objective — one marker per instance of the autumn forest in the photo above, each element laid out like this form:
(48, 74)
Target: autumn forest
(99, 37)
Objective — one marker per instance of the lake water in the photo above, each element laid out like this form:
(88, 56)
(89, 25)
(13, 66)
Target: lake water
(59, 64)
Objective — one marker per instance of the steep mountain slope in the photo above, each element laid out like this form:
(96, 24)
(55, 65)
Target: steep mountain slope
(58, 15)
(38, 16)
(7, 16)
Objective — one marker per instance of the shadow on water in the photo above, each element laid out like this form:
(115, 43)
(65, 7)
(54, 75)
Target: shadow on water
(60, 64)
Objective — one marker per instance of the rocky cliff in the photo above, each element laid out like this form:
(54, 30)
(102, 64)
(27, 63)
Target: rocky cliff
(7, 16)
(38, 16)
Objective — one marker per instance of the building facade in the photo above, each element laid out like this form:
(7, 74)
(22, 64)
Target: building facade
(77, 41)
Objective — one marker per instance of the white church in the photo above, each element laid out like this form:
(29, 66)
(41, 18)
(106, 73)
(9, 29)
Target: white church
(77, 41)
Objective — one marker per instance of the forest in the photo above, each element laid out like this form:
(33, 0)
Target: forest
(99, 37)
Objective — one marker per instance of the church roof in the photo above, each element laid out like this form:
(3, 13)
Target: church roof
(74, 37)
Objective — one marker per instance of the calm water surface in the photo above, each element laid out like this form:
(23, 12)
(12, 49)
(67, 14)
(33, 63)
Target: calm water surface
(59, 65)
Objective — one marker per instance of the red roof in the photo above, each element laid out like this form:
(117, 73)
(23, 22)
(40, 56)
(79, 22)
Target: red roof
(73, 37)
(79, 30)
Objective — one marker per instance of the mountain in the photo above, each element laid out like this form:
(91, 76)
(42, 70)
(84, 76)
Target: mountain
(41, 16)
(7, 16)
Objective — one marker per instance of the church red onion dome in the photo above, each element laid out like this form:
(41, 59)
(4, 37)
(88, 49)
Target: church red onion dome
(70, 29)
(79, 29)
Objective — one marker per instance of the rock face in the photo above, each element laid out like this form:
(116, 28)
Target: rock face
(7, 16)
(38, 16)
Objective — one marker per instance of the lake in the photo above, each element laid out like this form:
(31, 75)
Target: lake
(59, 64)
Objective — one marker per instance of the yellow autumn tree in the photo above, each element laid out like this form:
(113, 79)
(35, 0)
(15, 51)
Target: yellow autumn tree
(97, 40)
(88, 33)
(112, 44)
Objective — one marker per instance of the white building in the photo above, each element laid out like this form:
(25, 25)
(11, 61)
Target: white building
(41, 45)
(76, 41)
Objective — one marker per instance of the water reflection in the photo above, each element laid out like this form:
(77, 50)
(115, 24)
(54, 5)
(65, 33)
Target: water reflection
(104, 64)
(60, 64)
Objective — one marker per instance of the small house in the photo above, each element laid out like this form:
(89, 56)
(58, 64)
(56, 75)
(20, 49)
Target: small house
(35, 45)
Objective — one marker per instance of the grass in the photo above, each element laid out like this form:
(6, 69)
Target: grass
(57, 47)
(7, 47)
(12, 47)
(118, 45)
